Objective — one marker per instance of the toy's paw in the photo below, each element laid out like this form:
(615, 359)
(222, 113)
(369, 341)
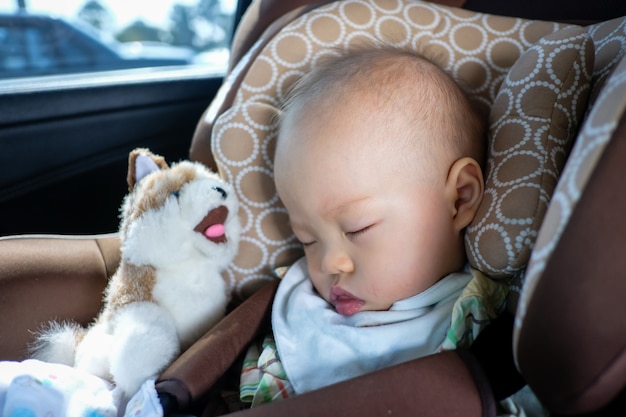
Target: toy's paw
(146, 342)
(93, 352)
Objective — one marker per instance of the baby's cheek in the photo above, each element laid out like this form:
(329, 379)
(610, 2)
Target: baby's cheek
(380, 291)
(404, 281)
(321, 286)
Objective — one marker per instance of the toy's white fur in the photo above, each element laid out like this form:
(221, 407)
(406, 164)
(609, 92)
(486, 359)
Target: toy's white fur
(168, 290)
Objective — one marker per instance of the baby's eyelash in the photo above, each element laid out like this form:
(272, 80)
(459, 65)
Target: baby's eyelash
(304, 243)
(358, 232)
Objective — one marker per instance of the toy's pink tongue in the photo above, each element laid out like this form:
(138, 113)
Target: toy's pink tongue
(212, 225)
(214, 231)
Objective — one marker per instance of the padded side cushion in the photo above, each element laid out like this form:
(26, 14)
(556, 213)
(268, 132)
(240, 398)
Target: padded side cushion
(533, 122)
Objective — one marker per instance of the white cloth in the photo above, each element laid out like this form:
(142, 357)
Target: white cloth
(36, 388)
(318, 346)
(40, 389)
(145, 403)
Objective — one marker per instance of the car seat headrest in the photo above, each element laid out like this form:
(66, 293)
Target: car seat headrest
(475, 48)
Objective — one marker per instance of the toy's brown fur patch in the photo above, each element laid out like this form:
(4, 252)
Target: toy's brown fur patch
(132, 283)
(156, 190)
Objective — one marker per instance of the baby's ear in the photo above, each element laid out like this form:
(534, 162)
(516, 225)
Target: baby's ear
(142, 162)
(466, 186)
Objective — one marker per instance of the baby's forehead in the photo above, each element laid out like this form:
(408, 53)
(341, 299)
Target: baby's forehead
(358, 133)
(398, 113)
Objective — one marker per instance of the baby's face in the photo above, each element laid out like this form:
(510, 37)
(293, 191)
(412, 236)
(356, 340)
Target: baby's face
(374, 231)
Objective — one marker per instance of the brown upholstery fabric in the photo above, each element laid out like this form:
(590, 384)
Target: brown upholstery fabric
(109, 247)
(50, 278)
(572, 345)
(436, 386)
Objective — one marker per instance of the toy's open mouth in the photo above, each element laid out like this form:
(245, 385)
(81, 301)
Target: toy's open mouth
(212, 226)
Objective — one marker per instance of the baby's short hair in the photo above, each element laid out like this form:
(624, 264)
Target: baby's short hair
(433, 101)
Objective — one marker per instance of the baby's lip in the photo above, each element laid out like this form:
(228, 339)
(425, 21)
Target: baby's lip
(345, 303)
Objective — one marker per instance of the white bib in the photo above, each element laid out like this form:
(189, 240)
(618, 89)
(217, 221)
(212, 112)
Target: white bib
(318, 346)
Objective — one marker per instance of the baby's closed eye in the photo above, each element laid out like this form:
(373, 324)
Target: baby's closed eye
(359, 232)
(304, 240)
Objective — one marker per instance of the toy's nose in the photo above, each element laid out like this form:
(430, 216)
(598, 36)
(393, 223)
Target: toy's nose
(221, 191)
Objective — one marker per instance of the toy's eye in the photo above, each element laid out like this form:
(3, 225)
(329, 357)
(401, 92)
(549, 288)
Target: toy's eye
(221, 191)
(176, 193)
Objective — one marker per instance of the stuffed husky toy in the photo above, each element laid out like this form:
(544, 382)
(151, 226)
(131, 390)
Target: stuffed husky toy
(179, 230)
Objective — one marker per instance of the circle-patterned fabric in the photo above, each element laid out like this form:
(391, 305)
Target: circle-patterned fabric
(476, 49)
(532, 124)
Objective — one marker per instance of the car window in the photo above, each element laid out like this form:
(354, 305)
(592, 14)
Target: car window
(43, 37)
(38, 49)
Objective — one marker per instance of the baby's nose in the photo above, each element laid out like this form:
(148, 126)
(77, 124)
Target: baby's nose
(337, 262)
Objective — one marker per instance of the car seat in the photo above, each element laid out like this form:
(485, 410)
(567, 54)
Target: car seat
(541, 83)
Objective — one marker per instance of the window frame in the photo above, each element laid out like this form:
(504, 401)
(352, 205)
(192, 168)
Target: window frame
(70, 95)
(75, 94)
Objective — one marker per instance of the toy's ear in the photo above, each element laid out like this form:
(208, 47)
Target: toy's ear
(142, 162)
